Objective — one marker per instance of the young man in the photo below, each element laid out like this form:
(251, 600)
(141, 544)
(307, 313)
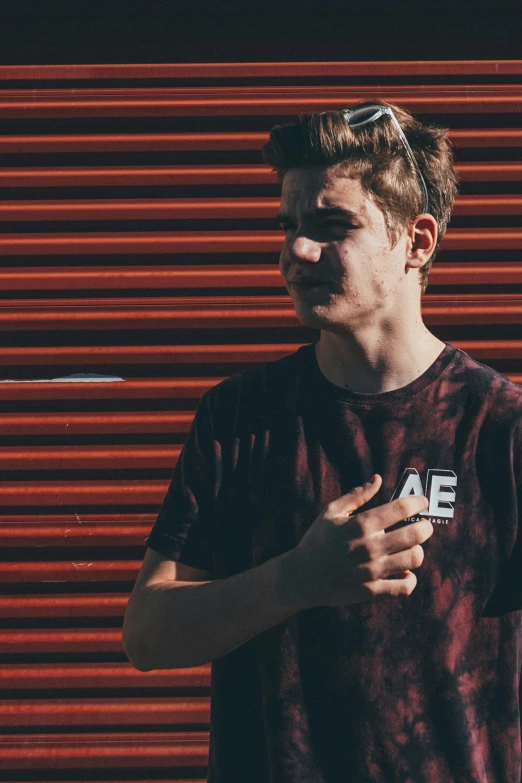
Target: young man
(332, 661)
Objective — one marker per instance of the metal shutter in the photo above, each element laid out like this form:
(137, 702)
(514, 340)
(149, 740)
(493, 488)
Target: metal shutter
(138, 241)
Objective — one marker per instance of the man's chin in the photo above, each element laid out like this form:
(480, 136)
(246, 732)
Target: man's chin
(314, 317)
(325, 319)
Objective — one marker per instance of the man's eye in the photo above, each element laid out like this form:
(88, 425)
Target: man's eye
(339, 225)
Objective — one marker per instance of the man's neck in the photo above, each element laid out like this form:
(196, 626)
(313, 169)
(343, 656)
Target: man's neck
(376, 363)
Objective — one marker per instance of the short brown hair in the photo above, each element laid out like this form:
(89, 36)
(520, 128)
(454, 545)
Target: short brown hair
(375, 154)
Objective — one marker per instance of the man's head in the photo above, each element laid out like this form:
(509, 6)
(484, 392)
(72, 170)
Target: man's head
(374, 154)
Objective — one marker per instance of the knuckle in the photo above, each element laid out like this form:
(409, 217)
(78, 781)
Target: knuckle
(403, 508)
(414, 534)
(428, 528)
(329, 510)
(417, 556)
(424, 529)
(373, 589)
(405, 588)
(409, 585)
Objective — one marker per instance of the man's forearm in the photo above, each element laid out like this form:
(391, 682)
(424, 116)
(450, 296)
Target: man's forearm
(183, 624)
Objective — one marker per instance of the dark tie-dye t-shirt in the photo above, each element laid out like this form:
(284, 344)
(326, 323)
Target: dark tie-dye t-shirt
(415, 689)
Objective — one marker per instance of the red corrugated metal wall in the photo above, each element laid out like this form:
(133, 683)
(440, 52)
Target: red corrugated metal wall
(139, 242)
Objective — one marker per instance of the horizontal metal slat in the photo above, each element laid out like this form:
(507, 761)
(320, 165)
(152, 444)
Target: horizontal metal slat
(178, 208)
(58, 640)
(88, 457)
(131, 388)
(232, 276)
(99, 675)
(263, 70)
(95, 423)
(81, 176)
(101, 94)
(488, 205)
(140, 209)
(484, 137)
(51, 779)
(85, 493)
(448, 309)
(62, 606)
(218, 142)
(146, 354)
(147, 315)
(488, 172)
(233, 174)
(66, 571)
(109, 750)
(77, 278)
(113, 780)
(238, 101)
(87, 530)
(150, 142)
(167, 779)
(101, 519)
(105, 712)
(148, 242)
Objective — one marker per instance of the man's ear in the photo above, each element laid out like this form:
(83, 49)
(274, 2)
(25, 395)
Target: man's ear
(422, 238)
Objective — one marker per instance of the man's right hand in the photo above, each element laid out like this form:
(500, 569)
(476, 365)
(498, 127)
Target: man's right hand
(344, 559)
(176, 618)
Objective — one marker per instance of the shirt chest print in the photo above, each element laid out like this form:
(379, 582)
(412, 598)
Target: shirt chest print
(439, 491)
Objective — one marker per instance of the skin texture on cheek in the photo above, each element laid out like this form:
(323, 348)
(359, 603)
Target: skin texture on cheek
(370, 275)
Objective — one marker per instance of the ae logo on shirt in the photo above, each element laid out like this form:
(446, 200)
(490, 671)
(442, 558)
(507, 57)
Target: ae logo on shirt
(439, 491)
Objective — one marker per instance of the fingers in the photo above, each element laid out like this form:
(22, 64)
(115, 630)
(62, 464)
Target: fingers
(384, 567)
(376, 555)
(407, 537)
(376, 519)
(382, 517)
(357, 497)
(381, 588)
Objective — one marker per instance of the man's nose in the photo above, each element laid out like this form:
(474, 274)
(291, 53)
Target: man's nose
(303, 248)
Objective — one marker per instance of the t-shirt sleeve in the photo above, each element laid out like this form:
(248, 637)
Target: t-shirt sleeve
(183, 530)
(507, 595)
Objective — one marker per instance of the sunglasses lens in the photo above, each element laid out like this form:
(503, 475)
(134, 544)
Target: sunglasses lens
(364, 115)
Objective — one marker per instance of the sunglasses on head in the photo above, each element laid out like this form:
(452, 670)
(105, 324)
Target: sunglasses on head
(366, 114)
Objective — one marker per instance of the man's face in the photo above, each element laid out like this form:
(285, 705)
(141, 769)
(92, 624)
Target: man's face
(337, 260)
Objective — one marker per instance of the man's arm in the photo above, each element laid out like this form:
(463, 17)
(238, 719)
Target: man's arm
(177, 617)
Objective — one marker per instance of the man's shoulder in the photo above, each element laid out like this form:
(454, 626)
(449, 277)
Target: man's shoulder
(485, 386)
